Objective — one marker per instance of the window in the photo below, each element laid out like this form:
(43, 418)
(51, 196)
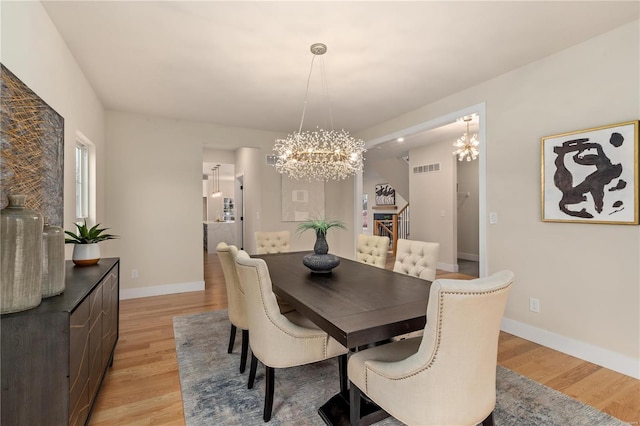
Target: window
(82, 181)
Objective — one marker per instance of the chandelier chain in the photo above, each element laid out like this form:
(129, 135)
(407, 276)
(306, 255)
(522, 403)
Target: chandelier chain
(306, 94)
(319, 154)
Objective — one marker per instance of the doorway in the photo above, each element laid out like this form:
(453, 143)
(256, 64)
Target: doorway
(438, 126)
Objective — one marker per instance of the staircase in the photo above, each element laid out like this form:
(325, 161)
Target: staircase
(394, 226)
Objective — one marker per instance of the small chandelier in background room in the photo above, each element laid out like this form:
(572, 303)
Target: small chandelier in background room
(319, 154)
(216, 182)
(467, 145)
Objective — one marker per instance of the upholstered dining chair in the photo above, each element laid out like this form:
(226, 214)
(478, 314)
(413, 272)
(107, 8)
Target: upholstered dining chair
(272, 242)
(372, 250)
(417, 258)
(235, 300)
(448, 376)
(276, 340)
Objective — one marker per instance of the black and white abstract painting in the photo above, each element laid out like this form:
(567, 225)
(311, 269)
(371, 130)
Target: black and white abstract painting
(385, 195)
(591, 176)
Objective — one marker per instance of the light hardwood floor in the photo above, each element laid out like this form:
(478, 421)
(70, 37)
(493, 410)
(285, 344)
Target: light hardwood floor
(143, 387)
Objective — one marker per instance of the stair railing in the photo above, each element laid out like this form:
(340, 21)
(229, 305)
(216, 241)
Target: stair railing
(396, 227)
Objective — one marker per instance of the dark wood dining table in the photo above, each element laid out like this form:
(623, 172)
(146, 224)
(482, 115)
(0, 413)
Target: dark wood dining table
(356, 304)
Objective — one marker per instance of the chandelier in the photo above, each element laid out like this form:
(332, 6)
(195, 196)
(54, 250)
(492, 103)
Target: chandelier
(319, 154)
(467, 146)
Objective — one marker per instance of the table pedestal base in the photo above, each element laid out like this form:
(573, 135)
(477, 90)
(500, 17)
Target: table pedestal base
(336, 411)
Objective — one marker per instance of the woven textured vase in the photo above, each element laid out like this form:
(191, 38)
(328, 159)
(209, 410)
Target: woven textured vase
(21, 256)
(52, 260)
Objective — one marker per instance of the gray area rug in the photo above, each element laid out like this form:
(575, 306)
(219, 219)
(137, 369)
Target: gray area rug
(215, 393)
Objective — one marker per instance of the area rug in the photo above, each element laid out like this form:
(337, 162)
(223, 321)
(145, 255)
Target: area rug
(215, 393)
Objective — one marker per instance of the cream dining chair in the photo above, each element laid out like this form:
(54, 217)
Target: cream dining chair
(272, 242)
(269, 242)
(417, 258)
(448, 376)
(372, 250)
(280, 341)
(235, 300)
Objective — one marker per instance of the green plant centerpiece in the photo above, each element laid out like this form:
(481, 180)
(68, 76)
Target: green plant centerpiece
(86, 250)
(320, 262)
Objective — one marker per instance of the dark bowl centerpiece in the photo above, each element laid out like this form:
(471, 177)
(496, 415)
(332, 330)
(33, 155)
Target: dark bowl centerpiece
(320, 262)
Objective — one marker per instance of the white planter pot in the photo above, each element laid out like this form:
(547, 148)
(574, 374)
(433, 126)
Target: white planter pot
(86, 254)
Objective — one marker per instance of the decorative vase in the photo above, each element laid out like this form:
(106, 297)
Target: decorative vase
(86, 254)
(21, 256)
(52, 260)
(321, 262)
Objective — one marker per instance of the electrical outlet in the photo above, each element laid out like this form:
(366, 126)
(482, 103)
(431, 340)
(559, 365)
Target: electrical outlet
(134, 273)
(534, 304)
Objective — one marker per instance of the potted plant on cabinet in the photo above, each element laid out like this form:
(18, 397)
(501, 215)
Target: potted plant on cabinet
(86, 250)
(320, 261)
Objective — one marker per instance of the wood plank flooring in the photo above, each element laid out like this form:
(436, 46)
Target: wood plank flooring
(143, 387)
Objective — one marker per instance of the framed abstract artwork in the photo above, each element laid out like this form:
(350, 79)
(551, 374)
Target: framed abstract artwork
(385, 195)
(32, 149)
(591, 176)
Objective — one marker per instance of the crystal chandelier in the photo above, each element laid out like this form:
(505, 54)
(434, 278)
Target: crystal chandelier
(319, 154)
(467, 146)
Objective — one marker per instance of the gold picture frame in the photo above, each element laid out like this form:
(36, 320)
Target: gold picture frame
(591, 175)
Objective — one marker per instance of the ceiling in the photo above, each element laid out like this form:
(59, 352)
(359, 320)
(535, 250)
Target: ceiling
(245, 64)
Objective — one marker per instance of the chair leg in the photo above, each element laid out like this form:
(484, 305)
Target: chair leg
(354, 405)
(489, 420)
(342, 365)
(252, 371)
(245, 349)
(268, 393)
(232, 338)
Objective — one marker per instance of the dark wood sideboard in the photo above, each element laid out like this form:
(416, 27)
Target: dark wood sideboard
(55, 356)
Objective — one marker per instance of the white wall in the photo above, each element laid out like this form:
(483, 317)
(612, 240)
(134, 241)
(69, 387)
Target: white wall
(468, 203)
(433, 201)
(155, 202)
(154, 188)
(33, 50)
(587, 276)
(249, 165)
(395, 172)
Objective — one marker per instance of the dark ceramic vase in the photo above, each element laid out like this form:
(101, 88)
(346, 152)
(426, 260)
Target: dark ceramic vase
(321, 246)
(321, 262)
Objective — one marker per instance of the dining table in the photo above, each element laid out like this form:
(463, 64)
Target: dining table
(357, 304)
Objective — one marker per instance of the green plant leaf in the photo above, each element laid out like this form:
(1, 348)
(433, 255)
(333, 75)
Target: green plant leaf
(88, 235)
(320, 226)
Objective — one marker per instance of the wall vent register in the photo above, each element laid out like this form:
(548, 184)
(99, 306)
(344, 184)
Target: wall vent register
(427, 168)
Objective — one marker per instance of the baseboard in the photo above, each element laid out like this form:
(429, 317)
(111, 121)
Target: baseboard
(603, 357)
(469, 256)
(159, 290)
(447, 267)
